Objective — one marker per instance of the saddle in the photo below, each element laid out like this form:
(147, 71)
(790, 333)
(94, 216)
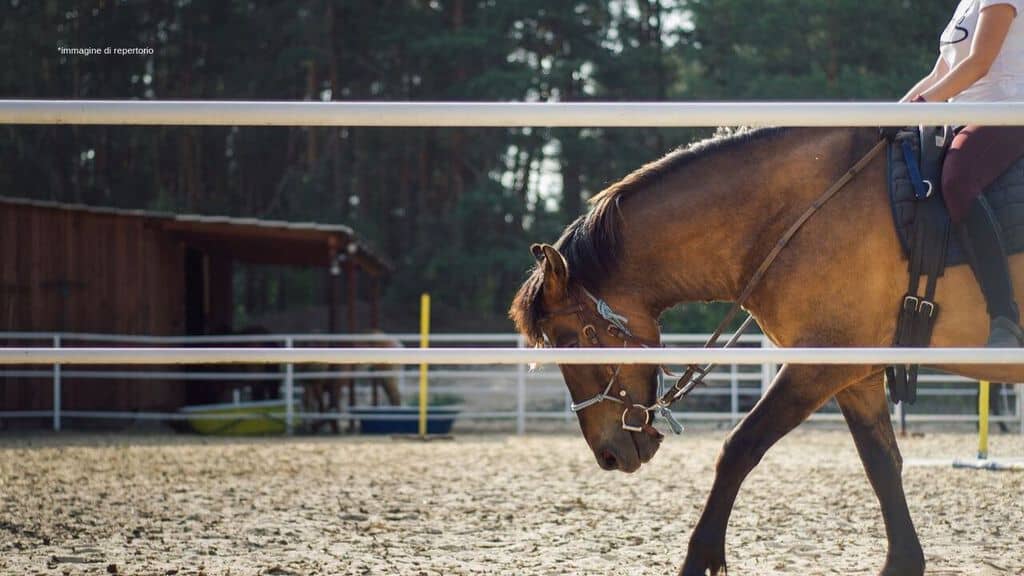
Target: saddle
(922, 224)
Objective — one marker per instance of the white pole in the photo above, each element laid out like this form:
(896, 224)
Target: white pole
(734, 393)
(766, 369)
(289, 393)
(479, 356)
(1020, 406)
(773, 368)
(521, 392)
(56, 388)
(506, 114)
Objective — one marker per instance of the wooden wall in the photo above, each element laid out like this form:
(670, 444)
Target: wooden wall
(78, 271)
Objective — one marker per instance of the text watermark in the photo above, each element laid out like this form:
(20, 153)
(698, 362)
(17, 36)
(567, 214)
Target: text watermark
(105, 51)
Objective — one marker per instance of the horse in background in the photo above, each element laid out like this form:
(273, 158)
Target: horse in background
(260, 389)
(226, 390)
(324, 395)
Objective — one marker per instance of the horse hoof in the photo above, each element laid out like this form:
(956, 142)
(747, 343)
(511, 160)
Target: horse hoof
(701, 565)
(705, 554)
(710, 571)
(908, 569)
(905, 560)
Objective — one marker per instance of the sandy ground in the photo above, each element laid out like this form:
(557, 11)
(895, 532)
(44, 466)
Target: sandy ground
(477, 505)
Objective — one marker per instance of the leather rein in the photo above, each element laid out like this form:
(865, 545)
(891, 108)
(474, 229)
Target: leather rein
(635, 416)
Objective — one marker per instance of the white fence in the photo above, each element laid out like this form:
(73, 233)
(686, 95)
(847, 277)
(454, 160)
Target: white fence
(620, 114)
(480, 356)
(505, 114)
(499, 393)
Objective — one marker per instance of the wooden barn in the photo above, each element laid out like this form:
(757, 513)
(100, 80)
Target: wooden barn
(81, 269)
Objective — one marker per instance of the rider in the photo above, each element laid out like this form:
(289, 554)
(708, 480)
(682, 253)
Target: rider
(981, 58)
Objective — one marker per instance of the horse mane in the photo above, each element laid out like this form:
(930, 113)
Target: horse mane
(591, 243)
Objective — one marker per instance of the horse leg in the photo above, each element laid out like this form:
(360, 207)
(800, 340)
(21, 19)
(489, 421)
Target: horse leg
(318, 400)
(866, 410)
(796, 393)
(391, 387)
(334, 405)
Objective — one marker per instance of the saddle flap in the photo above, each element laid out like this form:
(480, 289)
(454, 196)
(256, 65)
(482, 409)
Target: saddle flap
(929, 146)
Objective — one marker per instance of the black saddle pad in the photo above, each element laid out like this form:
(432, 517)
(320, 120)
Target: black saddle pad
(1005, 195)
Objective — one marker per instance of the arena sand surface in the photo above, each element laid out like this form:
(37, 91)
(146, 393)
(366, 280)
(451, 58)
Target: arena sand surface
(477, 505)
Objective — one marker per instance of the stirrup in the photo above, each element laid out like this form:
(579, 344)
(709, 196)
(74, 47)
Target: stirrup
(1004, 333)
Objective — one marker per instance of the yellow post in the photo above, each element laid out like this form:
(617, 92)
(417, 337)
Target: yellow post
(424, 343)
(983, 419)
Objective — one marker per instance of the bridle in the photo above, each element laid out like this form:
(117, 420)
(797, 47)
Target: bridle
(616, 325)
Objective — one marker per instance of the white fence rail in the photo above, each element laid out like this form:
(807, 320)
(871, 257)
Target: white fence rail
(505, 114)
(499, 393)
(482, 356)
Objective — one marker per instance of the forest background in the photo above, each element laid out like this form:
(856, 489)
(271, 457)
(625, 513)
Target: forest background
(454, 210)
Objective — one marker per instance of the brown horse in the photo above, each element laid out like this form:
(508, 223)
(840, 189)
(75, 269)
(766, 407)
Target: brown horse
(324, 395)
(693, 226)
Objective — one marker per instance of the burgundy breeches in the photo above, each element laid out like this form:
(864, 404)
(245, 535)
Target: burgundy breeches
(978, 155)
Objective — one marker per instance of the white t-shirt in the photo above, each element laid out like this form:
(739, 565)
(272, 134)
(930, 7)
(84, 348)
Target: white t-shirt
(1005, 80)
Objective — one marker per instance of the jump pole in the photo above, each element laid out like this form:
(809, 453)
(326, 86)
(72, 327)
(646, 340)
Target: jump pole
(983, 405)
(424, 343)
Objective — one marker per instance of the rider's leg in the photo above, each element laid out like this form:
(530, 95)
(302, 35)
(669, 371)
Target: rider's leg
(976, 158)
(979, 233)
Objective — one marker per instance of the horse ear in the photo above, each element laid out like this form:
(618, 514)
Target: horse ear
(538, 252)
(556, 269)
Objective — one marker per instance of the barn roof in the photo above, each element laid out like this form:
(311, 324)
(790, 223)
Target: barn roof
(249, 239)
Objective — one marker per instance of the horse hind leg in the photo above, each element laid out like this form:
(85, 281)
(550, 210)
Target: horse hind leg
(390, 385)
(866, 411)
(794, 395)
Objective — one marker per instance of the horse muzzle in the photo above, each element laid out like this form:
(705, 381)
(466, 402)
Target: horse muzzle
(628, 451)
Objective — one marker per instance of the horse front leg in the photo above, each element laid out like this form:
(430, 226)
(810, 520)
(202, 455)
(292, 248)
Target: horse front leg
(794, 395)
(866, 410)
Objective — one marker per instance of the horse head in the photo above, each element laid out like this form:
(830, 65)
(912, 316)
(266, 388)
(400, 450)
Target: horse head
(609, 400)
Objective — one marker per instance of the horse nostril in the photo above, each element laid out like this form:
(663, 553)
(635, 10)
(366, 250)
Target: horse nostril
(607, 459)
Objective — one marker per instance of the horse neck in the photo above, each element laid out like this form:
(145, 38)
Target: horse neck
(699, 234)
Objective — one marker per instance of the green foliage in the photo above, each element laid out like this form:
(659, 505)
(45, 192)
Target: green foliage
(455, 209)
(812, 49)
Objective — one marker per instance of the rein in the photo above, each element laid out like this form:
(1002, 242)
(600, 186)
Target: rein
(616, 325)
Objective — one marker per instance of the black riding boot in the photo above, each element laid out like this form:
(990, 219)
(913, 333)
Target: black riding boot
(980, 237)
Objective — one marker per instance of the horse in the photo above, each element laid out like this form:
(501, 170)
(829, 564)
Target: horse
(206, 392)
(323, 395)
(693, 226)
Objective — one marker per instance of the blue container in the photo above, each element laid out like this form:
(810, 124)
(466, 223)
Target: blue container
(403, 420)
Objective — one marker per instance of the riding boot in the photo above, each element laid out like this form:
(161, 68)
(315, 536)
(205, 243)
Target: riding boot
(981, 239)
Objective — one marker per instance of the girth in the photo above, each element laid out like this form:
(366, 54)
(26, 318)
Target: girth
(929, 242)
